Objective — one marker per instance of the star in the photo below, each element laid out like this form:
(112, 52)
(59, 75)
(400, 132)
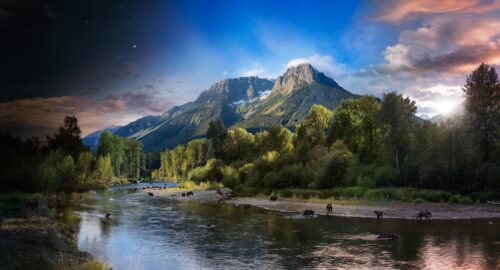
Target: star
(134, 46)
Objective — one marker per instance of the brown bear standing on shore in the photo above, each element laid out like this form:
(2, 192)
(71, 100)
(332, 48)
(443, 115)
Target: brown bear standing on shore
(379, 214)
(273, 198)
(329, 208)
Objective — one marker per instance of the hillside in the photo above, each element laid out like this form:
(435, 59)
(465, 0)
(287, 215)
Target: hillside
(249, 102)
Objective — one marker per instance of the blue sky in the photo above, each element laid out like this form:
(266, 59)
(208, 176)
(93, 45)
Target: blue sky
(111, 62)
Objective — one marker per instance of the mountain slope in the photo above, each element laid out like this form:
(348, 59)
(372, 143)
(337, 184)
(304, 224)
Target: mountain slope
(292, 97)
(249, 102)
(220, 101)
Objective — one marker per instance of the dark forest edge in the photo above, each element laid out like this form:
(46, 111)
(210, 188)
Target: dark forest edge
(365, 148)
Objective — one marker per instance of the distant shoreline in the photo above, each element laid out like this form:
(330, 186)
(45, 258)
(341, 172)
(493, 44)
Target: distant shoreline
(392, 210)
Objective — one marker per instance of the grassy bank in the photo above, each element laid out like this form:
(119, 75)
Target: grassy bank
(371, 194)
(36, 238)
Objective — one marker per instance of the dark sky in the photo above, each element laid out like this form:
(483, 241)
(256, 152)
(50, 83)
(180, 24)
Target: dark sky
(50, 46)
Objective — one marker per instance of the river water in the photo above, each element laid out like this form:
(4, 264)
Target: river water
(153, 233)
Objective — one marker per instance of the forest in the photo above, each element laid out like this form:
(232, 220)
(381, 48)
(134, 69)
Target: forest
(65, 164)
(364, 143)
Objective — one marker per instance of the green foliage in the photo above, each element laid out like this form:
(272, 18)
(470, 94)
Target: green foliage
(352, 192)
(485, 196)
(278, 138)
(397, 118)
(229, 176)
(104, 169)
(216, 135)
(211, 172)
(482, 105)
(336, 170)
(67, 138)
(182, 160)
(355, 122)
(312, 131)
(84, 165)
(238, 144)
(457, 198)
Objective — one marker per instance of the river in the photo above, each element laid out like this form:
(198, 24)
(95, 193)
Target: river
(152, 233)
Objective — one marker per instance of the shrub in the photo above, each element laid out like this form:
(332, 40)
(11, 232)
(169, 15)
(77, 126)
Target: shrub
(419, 200)
(229, 176)
(285, 193)
(486, 196)
(457, 198)
(353, 192)
(380, 194)
(211, 185)
(186, 184)
(210, 172)
(435, 195)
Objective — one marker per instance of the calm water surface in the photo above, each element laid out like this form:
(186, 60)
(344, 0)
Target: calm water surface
(151, 233)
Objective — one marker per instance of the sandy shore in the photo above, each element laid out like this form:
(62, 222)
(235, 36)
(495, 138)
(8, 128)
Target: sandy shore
(398, 210)
(198, 194)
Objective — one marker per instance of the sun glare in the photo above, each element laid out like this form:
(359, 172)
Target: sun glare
(445, 106)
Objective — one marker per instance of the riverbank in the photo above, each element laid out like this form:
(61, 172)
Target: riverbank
(207, 195)
(398, 210)
(352, 208)
(33, 238)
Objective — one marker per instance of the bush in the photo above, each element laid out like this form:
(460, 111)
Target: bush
(285, 193)
(486, 196)
(229, 176)
(419, 200)
(186, 184)
(435, 195)
(457, 198)
(212, 185)
(352, 192)
(380, 194)
(210, 172)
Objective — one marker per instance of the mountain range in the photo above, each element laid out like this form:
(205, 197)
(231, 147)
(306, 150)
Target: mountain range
(249, 102)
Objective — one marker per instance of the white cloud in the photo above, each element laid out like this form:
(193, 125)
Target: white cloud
(323, 63)
(224, 73)
(253, 72)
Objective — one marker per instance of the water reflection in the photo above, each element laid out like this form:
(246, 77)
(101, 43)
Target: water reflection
(151, 233)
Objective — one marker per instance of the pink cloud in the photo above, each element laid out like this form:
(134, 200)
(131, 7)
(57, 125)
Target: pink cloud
(40, 115)
(454, 42)
(398, 10)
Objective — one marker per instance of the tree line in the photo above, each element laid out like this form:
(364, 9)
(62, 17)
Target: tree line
(363, 142)
(66, 164)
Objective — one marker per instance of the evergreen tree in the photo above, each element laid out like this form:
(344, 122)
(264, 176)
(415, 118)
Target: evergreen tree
(482, 105)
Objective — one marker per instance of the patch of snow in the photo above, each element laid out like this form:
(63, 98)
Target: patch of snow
(239, 102)
(264, 94)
